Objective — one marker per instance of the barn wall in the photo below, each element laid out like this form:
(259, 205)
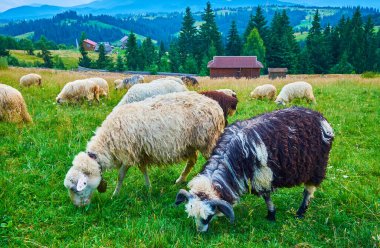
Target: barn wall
(232, 72)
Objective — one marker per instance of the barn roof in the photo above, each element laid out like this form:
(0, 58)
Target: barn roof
(235, 62)
(124, 39)
(90, 42)
(277, 69)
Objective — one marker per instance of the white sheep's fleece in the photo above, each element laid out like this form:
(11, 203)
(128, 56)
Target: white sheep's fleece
(202, 184)
(228, 92)
(12, 105)
(117, 82)
(178, 80)
(266, 90)
(30, 79)
(198, 209)
(103, 84)
(160, 130)
(79, 89)
(295, 90)
(139, 92)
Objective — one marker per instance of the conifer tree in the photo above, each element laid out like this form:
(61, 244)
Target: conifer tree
(132, 52)
(84, 61)
(102, 60)
(119, 63)
(255, 46)
(187, 36)
(209, 32)
(249, 28)
(233, 47)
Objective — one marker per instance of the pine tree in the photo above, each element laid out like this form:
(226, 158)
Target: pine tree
(343, 67)
(190, 65)
(132, 53)
(249, 28)
(369, 46)
(355, 41)
(187, 36)
(233, 47)
(209, 32)
(58, 62)
(255, 46)
(260, 23)
(102, 60)
(119, 63)
(47, 57)
(174, 58)
(84, 61)
(148, 53)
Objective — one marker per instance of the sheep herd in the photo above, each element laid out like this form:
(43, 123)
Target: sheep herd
(162, 122)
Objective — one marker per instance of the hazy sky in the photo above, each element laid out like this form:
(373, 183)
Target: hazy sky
(7, 4)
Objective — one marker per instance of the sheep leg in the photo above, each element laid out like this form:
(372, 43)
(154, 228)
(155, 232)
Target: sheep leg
(189, 166)
(144, 171)
(122, 171)
(308, 193)
(271, 209)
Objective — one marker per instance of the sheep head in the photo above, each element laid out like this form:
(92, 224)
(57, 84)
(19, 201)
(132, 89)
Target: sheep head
(204, 210)
(83, 178)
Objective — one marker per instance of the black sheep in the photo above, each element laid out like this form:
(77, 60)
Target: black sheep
(280, 149)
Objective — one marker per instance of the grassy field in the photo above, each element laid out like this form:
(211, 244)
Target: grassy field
(35, 209)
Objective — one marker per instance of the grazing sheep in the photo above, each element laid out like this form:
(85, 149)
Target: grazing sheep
(226, 102)
(190, 81)
(117, 82)
(12, 105)
(129, 82)
(284, 148)
(295, 90)
(78, 90)
(228, 92)
(262, 91)
(30, 79)
(161, 130)
(178, 80)
(103, 84)
(140, 92)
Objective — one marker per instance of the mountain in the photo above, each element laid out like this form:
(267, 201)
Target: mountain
(31, 12)
(337, 3)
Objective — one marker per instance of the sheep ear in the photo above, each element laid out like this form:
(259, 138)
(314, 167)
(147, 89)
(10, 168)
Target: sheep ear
(225, 208)
(82, 182)
(182, 196)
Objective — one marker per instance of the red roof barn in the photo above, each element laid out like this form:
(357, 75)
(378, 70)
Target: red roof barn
(89, 45)
(235, 66)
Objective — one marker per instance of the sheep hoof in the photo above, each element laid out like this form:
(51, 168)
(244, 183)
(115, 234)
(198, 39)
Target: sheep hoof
(271, 216)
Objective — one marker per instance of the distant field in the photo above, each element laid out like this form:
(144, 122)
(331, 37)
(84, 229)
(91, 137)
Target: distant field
(301, 37)
(35, 210)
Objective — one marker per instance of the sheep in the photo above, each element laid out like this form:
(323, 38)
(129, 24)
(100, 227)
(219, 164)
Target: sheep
(12, 105)
(190, 81)
(280, 149)
(140, 92)
(161, 130)
(295, 90)
(103, 84)
(226, 102)
(117, 82)
(129, 82)
(30, 79)
(262, 91)
(228, 92)
(178, 80)
(79, 89)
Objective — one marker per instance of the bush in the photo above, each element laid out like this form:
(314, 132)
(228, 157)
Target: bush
(3, 63)
(13, 61)
(370, 74)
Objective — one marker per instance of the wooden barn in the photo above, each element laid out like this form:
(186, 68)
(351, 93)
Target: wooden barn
(235, 66)
(274, 73)
(89, 45)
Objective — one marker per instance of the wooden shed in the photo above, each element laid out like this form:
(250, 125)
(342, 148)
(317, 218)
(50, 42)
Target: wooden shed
(89, 45)
(274, 73)
(235, 66)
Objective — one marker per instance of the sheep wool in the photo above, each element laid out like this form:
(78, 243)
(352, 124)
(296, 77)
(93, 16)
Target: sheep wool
(284, 148)
(295, 90)
(228, 92)
(161, 130)
(226, 102)
(30, 79)
(267, 90)
(140, 92)
(129, 82)
(78, 90)
(12, 105)
(103, 84)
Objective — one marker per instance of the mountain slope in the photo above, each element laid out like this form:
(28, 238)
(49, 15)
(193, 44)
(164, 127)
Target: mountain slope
(337, 3)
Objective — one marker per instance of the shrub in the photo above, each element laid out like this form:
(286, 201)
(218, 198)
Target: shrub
(370, 74)
(13, 61)
(3, 63)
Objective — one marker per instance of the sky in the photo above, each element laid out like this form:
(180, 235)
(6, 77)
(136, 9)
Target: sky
(7, 4)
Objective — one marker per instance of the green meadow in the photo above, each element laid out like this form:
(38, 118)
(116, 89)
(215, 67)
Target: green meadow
(35, 209)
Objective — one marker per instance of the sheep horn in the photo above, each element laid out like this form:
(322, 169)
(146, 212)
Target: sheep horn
(182, 196)
(225, 208)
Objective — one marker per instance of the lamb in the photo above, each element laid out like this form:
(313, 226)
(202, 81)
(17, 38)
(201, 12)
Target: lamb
(30, 79)
(228, 92)
(140, 92)
(103, 84)
(226, 102)
(280, 149)
(295, 90)
(78, 90)
(262, 91)
(12, 105)
(129, 82)
(190, 81)
(158, 131)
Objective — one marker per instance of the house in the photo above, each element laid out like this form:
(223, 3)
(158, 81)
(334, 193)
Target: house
(124, 41)
(235, 66)
(107, 47)
(274, 73)
(89, 45)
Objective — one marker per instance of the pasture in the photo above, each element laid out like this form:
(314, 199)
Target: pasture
(35, 209)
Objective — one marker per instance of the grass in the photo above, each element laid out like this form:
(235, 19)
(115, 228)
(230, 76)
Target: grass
(35, 209)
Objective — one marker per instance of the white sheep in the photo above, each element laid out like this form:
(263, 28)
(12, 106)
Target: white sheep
(78, 90)
(139, 92)
(228, 92)
(129, 82)
(161, 130)
(262, 91)
(12, 105)
(178, 80)
(30, 79)
(117, 82)
(103, 84)
(295, 90)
